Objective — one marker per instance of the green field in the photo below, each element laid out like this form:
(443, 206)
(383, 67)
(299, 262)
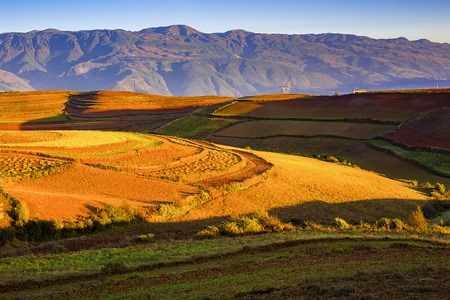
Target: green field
(277, 265)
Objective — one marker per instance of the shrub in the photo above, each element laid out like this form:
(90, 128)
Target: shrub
(145, 238)
(208, 233)
(120, 215)
(170, 211)
(439, 188)
(271, 223)
(231, 229)
(256, 222)
(342, 224)
(18, 212)
(397, 224)
(115, 267)
(309, 225)
(364, 226)
(418, 221)
(109, 215)
(37, 230)
(332, 159)
(436, 190)
(241, 225)
(7, 235)
(384, 224)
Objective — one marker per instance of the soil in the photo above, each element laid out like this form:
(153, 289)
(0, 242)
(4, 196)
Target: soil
(430, 129)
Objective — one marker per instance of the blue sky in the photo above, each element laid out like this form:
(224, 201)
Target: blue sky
(413, 19)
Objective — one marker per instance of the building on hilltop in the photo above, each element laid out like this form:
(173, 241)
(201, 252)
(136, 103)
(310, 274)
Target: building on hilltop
(359, 91)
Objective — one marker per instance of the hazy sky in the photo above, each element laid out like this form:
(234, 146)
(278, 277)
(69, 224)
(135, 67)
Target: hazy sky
(413, 19)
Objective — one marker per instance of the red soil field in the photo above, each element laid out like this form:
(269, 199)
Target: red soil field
(429, 129)
(147, 177)
(382, 106)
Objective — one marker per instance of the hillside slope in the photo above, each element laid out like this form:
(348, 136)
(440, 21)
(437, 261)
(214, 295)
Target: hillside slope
(349, 127)
(62, 174)
(179, 60)
(309, 189)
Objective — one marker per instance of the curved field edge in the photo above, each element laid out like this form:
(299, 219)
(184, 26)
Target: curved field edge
(230, 267)
(152, 172)
(437, 162)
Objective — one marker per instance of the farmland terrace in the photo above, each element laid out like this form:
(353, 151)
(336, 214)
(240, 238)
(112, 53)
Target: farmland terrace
(165, 182)
(347, 127)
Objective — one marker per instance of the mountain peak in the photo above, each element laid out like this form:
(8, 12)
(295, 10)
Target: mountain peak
(181, 30)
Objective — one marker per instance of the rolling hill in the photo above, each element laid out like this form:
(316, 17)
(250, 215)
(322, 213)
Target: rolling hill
(89, 168)
(121, 194)
(360, 128)
(179, 60)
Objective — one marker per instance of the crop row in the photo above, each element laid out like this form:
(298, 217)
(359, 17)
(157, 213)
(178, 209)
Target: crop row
(13, 165)
(213, 161)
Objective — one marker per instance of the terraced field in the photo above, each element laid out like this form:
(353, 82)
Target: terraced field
(267, 128)
(20, 165)
(339, 126)
(56, 184)
(62, 174)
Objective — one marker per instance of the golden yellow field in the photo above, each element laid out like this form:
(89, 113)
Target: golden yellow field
(94, 168)
(62, 174)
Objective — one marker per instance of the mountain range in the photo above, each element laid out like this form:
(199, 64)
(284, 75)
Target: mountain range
(180, 60)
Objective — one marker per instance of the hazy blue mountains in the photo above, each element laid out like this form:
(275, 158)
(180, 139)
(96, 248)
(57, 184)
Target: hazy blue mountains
(179, 60)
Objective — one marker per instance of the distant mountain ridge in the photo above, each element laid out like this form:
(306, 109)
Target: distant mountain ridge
(180, 60)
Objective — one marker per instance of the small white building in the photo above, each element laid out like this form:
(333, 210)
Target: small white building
(359, 91)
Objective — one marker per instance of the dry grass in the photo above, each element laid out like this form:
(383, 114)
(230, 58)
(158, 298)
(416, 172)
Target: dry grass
(31, 106)
(147, 171)
(77, 144)
(305, 188)
(155, 170)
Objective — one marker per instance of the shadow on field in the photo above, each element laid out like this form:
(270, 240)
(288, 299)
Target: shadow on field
(316, 211)
(362, 210)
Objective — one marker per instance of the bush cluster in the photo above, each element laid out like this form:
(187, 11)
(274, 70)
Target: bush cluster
(415, 223)
(145, 238)
(254, 223)
(436, 190)
(333, 159)
(43, 230)
(262, 222)
(180, 207)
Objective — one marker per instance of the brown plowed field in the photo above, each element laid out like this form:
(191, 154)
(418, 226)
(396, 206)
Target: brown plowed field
(262, 181)
(141, 171)
(82, 189)
(383, 106)
(429, 129)
(147, 170)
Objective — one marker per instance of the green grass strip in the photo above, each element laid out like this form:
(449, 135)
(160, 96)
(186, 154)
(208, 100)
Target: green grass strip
(437, 163)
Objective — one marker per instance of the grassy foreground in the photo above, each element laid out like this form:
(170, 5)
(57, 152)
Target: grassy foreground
(317, 265)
